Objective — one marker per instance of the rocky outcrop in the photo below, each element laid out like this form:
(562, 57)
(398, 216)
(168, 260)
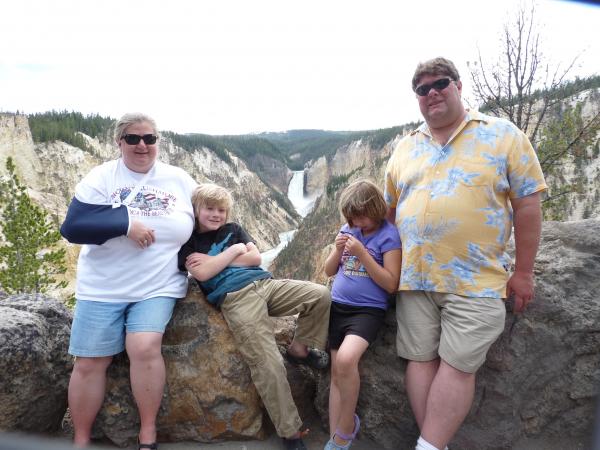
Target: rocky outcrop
(275, 172)
(34, 364)
(577, 178)
(16, 142)
(357, 156)
(209, 394)
(542, 376)
(316, 176)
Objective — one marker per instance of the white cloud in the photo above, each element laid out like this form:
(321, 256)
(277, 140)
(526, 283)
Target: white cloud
(235, 66)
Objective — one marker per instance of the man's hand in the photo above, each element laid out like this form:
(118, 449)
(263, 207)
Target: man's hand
(521, 285)
(527, 215)
(141, 234)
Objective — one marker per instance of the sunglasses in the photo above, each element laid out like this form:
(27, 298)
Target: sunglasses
(134, 139)
(438, 85)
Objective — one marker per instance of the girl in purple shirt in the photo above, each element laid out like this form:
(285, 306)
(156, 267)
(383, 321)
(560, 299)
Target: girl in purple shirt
(366, 263)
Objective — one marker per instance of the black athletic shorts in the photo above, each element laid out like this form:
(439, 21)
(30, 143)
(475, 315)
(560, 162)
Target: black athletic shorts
(363, 321)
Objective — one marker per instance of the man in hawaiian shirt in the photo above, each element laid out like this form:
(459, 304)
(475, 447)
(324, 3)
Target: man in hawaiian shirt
(454, 187)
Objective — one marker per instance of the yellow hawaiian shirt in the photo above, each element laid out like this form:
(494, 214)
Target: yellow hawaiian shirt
(453, 207)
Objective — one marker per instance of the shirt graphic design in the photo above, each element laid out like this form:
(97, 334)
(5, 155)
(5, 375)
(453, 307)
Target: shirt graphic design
(217, 248)
(352, 265)
(149, 201)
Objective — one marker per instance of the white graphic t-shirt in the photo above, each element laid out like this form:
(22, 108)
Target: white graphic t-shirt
(119, 270)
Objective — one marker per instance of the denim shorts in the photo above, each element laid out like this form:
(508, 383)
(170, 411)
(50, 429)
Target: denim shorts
(99, 328)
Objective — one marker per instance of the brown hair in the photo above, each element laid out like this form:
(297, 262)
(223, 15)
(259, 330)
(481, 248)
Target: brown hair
(435, 66)
(362, 198)
(208, 194)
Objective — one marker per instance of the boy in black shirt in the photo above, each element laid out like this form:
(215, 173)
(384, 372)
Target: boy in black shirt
(225, 262)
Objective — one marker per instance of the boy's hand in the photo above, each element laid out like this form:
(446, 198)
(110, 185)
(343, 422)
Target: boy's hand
(196, 259)
(141, 234)
(238, 248)
(340, 241)
(354, 246)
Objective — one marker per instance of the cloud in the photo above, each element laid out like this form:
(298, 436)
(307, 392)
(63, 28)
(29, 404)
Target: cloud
(235, 66)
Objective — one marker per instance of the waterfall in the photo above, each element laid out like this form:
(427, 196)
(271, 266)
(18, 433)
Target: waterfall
(302, 204)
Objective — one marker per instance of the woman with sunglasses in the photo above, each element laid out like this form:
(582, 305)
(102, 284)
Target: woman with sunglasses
(132, 214)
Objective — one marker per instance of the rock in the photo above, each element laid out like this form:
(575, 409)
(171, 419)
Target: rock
(209, 394)
(541, 377)
(34, 364)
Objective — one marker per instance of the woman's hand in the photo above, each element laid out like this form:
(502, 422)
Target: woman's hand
(141, 234)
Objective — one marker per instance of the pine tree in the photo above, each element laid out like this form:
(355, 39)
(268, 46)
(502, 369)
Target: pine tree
(28, 258)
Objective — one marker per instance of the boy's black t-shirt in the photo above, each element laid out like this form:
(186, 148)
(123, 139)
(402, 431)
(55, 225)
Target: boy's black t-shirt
(202, 242)
(212, 243)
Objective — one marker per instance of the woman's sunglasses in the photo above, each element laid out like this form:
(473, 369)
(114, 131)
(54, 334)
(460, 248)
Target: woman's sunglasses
(134, 139)
(438, 85)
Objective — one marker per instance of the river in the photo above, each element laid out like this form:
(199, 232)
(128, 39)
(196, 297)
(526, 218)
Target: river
(303, 204)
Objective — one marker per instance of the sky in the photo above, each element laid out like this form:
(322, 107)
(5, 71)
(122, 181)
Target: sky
(241, 66)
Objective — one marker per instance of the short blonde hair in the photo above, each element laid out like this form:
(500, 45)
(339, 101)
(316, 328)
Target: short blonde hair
(209, 194)
(362, 198)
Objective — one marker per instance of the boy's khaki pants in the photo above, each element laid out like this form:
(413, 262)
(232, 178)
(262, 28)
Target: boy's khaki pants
(247, 313)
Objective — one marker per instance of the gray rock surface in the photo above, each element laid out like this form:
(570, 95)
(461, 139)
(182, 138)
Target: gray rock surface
(542, 376)
(34, 364)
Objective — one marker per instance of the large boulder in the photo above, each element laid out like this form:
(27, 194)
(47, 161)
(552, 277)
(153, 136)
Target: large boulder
(34, 364)
(541, 377)
(209, 394)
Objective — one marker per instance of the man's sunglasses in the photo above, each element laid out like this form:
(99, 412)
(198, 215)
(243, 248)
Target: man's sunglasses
(134, 139)
(438, 85)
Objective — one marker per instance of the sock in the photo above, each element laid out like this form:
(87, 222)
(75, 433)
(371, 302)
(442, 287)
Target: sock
(422, 444)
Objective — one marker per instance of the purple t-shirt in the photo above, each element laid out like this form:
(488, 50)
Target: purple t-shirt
(352, 284)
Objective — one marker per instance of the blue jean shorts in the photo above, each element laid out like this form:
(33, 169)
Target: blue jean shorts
(99, 328)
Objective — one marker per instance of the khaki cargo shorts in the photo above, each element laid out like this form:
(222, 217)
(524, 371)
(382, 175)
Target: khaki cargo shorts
(459, 330)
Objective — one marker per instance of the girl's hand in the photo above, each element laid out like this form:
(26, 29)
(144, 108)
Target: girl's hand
(340, 241)
(355, 247)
